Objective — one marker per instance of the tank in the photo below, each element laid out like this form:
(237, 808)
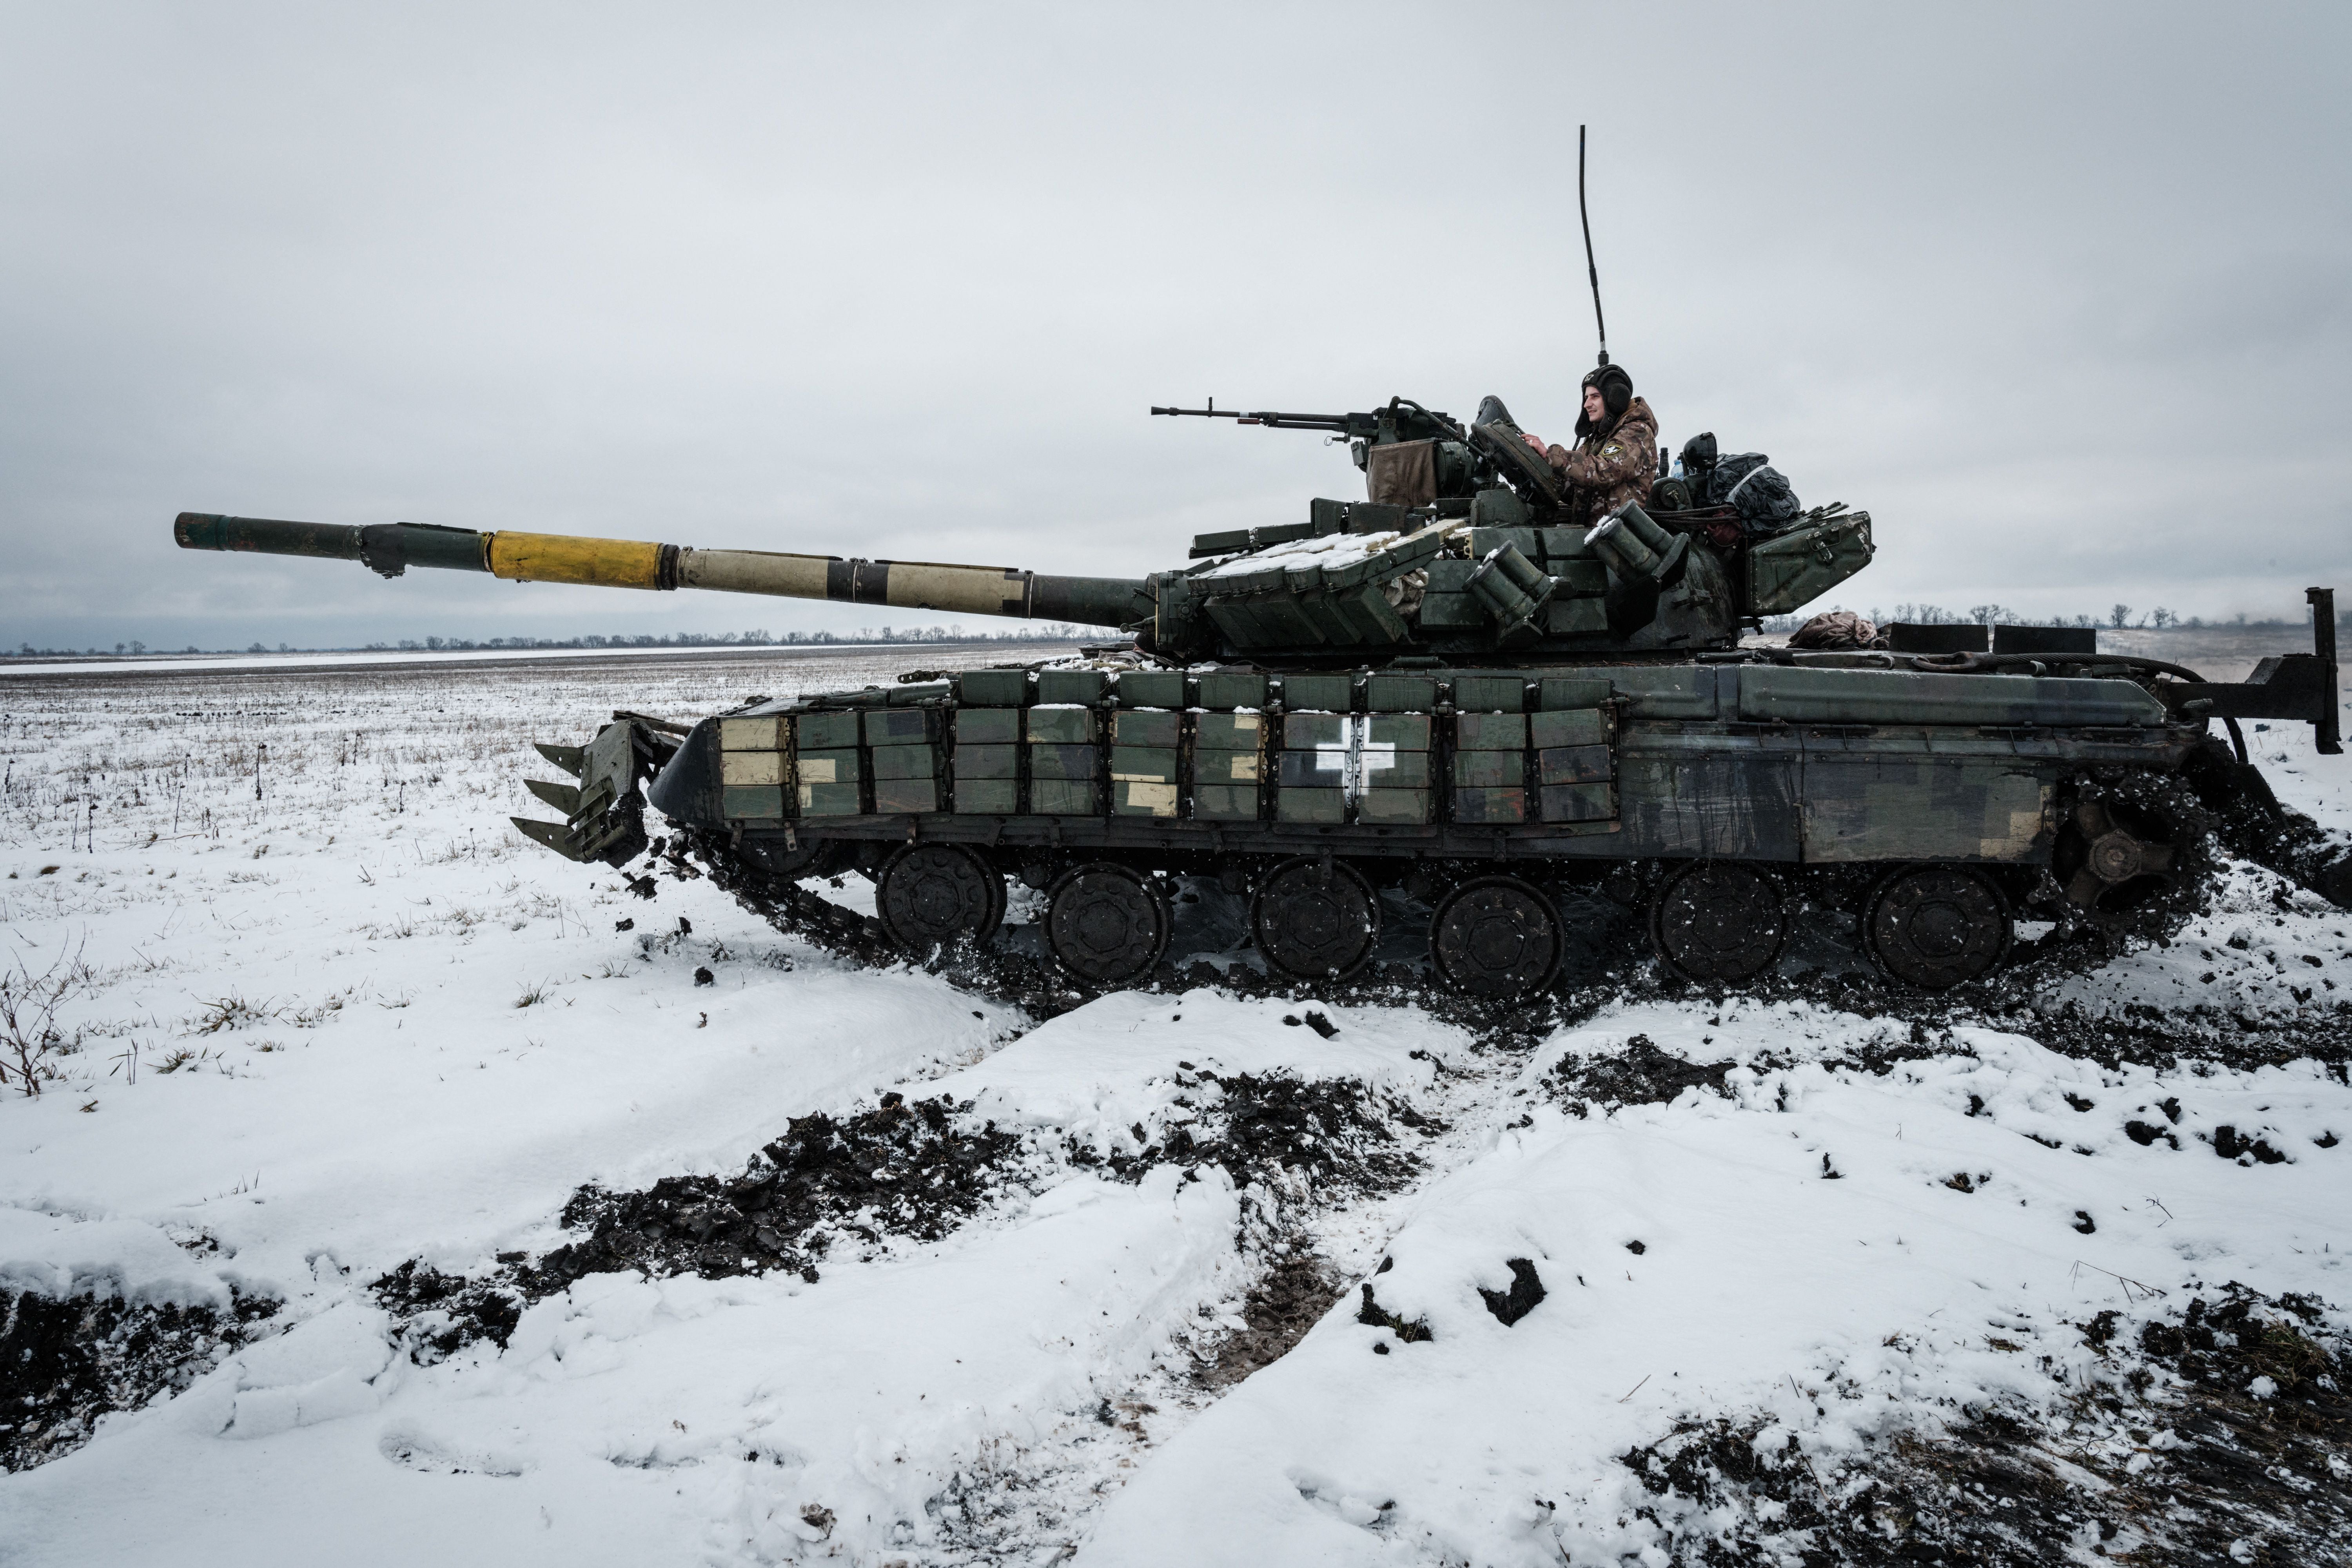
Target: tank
(1458, 704)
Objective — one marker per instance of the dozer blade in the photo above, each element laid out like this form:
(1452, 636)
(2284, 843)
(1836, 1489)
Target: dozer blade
(571, 758)
(554, 835)
(564, 798)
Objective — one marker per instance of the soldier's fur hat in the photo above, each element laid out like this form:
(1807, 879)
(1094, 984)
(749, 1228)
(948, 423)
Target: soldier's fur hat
(1616, 397)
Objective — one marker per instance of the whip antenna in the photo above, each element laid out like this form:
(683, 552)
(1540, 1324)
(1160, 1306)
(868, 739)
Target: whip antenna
(1590, 270)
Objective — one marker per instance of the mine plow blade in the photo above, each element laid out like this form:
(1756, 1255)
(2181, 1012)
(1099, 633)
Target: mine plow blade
(554, 835)
(611, 837)
(564, 798)
(605, 813)
(571, 758)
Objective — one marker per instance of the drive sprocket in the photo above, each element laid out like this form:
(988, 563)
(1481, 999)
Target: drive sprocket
(2133, 855)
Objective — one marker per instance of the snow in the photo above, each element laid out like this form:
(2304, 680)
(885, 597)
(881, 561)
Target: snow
(1762, 1284)
(1320, 550)
(630, 1421)
(397, 1031)
(1089, 1080)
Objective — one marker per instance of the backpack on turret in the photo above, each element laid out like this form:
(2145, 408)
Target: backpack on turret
(1749, 483)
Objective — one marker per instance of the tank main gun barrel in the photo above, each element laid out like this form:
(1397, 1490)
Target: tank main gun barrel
(390, 549)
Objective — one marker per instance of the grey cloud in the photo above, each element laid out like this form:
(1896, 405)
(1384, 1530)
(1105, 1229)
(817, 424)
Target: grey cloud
(2058, 294)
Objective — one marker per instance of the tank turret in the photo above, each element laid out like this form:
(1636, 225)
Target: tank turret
(1354, 582)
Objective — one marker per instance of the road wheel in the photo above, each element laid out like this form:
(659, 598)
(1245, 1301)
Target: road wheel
(1496, 937)
(1106, 924)
(1936, 927)
(1316, 919)
(929, 895)
(1717, 923)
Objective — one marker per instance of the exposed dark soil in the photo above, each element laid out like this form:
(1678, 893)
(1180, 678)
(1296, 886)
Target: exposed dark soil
(2011, 1001)
(1640, 1074)
(1338, 1132)
(1372, 1314)
(2225, 1474)
(915, 1169)
(1525, 1294)
(440, 1313)
(906, 1169)
(1292, 1298)
(2145, 1035)
(65, 1362)
(2253, 825)
(2136, 1032)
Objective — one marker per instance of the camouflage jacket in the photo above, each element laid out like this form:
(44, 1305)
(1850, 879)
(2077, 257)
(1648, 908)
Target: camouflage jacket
(1605, 471)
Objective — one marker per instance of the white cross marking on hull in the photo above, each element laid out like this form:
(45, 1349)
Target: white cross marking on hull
(1354, 758)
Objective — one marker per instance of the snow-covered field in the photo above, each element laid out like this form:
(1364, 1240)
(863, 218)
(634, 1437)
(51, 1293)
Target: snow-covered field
(323, 1015)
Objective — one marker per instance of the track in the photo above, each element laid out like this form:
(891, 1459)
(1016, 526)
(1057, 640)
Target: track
(1820, 903)
(995, 970)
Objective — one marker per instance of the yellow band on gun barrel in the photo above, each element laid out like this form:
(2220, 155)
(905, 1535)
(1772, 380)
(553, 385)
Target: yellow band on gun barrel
(566, 558)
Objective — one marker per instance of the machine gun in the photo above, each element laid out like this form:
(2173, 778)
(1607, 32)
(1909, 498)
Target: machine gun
(1401, 420)
(1461, 460)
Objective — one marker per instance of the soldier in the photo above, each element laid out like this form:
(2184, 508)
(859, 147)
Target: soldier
(1615, 457)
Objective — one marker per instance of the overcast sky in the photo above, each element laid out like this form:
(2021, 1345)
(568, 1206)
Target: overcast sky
(2062, 293)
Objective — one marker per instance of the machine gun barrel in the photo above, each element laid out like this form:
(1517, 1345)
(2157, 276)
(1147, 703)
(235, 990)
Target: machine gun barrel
(1401, 420)
(1338, 424)
(390, 549)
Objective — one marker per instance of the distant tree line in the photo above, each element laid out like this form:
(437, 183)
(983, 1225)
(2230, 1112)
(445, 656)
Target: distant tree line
(1046, 632)
(2120, 617)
